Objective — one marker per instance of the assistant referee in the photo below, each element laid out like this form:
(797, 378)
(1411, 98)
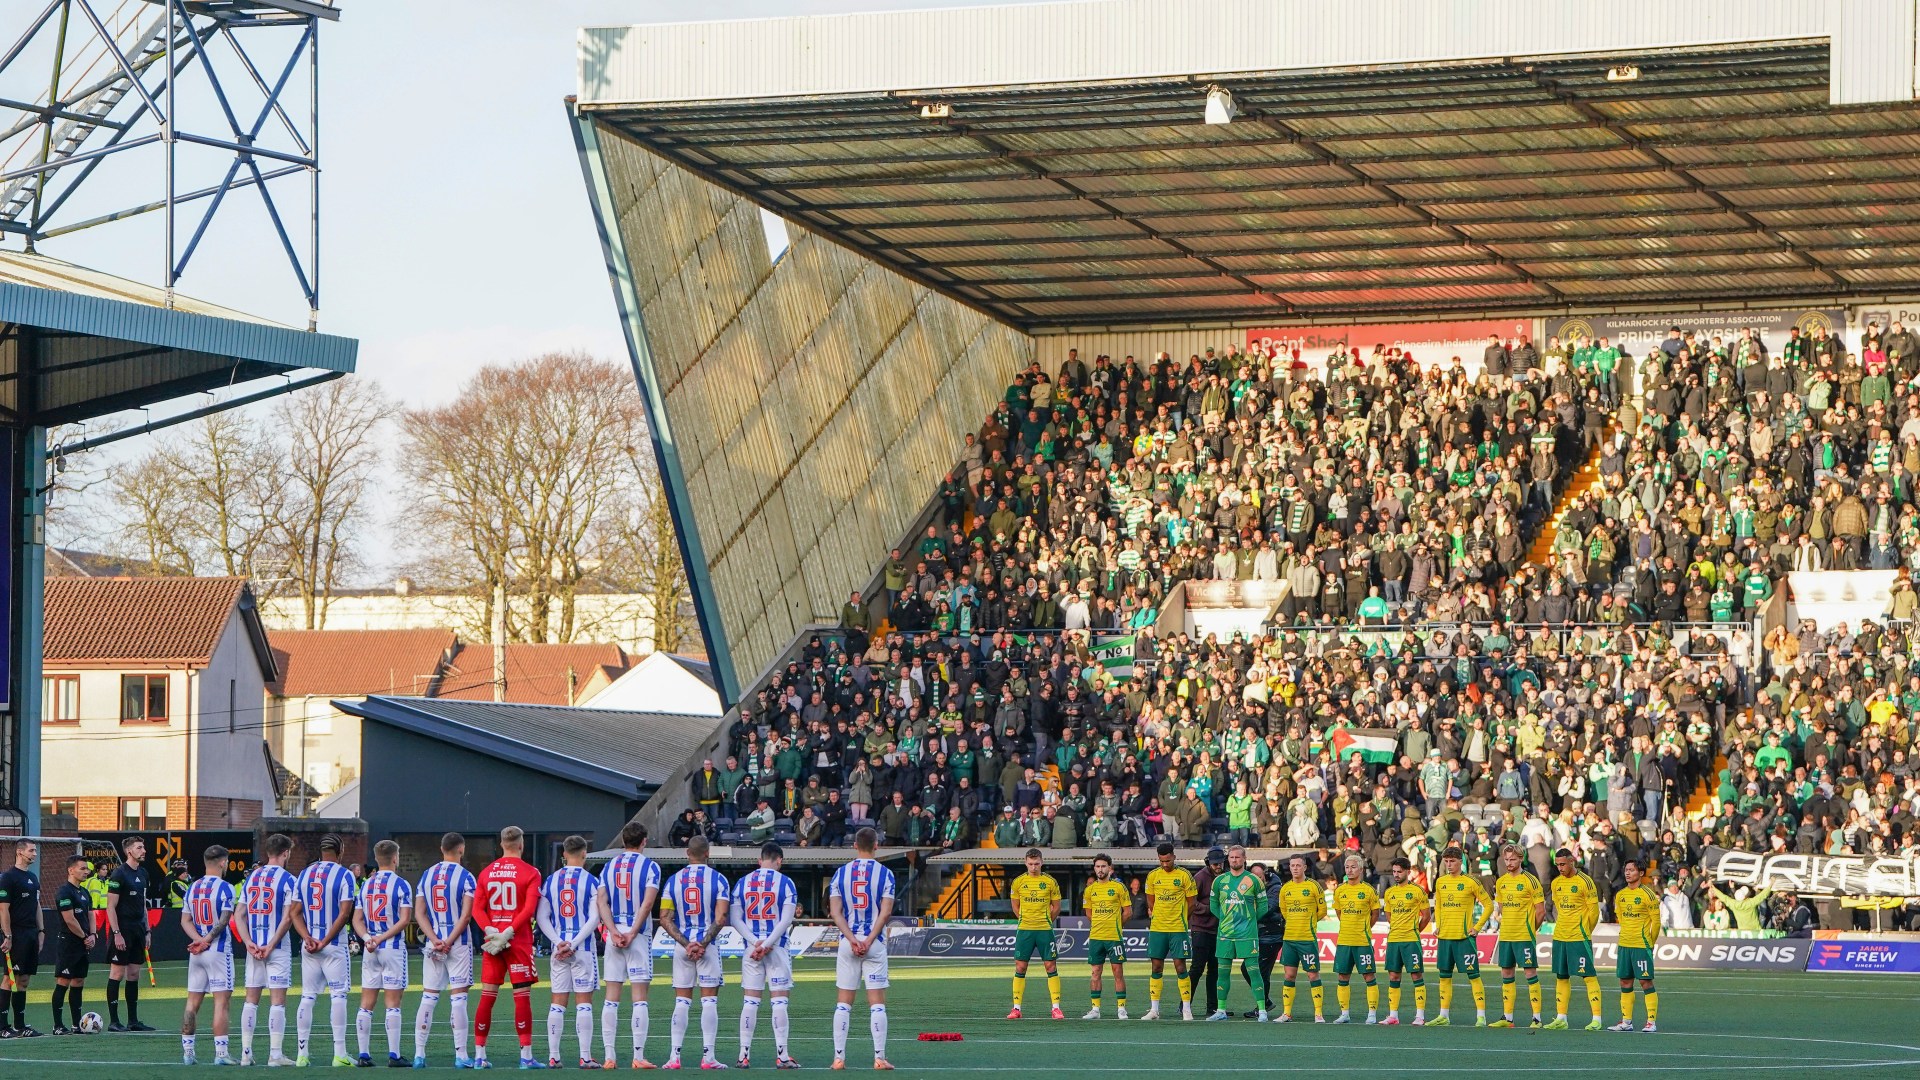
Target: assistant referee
(19, 938)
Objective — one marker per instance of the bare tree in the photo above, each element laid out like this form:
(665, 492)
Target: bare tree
(516, 477)
(230, 470)
(148, 499)
(639, 552)
(331, 460)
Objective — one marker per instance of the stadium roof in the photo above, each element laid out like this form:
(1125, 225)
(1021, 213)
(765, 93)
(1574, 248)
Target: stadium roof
(619, 751)
(77, 343)
(1763, 153)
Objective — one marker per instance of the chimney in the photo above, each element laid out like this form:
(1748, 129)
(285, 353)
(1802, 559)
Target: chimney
(403, 586)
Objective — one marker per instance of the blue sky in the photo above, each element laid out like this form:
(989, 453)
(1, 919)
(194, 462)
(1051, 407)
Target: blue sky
(456, 230)
(455, 226)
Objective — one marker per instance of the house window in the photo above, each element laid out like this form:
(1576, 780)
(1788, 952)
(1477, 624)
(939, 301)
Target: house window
(65, 807)
(138, 814)
(60, 699)
(143, 699)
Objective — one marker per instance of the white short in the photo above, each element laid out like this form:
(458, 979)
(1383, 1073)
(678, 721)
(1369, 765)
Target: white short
(773, 971)
(852, 972)
(383, 969)
(273, 973)
(209, 972)
(451, 971)
(329, 970)
(576, 974)
(687, 974)
(633, 964)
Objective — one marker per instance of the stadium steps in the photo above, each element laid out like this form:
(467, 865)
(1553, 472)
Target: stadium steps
(1542, 551)
(1702, 796)
(956, 898)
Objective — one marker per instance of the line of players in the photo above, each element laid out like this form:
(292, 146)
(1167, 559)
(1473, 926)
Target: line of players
(501, 909)
(1458, 908)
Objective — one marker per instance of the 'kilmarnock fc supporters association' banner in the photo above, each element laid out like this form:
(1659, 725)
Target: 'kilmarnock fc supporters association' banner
(1639, 334)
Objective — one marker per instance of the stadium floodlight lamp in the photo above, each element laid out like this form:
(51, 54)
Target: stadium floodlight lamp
(1220, 106)
(1623, 73)
(938, 110)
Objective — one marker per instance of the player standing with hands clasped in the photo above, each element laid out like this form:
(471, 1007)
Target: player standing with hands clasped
(1238, 900)
(1523, 904)
(509, 897)
(204, 917)
(861, 897)
(1637, 907)
(266, 934)
(443, 909)
(323, 901)
(1168, 889)
(1105, 903)
(698, 897)
(764, 904)
(569, 914)
(1355, 902)
(381, 916)
(1036, 901)
(630, 885)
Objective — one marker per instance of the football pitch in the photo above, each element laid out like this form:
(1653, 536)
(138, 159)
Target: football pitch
(1712, 1023)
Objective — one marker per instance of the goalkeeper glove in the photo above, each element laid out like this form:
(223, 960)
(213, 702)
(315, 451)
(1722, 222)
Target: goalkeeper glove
(497, 941)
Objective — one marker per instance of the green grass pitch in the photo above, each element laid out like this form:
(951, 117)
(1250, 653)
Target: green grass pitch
(1712, 1024)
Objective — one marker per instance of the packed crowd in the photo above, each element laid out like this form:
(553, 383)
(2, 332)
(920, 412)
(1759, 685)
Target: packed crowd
(1557, 703)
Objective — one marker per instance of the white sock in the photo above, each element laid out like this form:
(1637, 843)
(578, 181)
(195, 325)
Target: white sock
(276, 1030)
(780, 1026)
(556, 1024)
(363, 1029)
(460, 1026)
(842, 1020)
(339, 1019)
(393, 1031)
(678, 1030)
(423, 1021)
(583, 1029)
(220, 1046)
(877, 1024)
(709, 1025)
(186, 1044)
(610, 1025)
(303, 1024)
(639, 1023)
(249, 1016)
(749, 1023)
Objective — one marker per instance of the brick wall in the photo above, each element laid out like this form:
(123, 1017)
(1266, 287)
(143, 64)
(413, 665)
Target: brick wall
(102, 813)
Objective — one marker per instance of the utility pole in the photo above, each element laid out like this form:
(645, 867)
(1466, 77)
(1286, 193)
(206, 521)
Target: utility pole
(500, 641)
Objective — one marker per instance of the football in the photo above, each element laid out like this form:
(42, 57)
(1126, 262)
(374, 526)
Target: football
(91, 1024)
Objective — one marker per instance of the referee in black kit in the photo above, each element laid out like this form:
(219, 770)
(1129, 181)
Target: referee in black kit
(75, 936)
(127, 925)
(19, 938)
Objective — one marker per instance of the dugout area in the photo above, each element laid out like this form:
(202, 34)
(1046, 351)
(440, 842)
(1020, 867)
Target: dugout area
(963, 192)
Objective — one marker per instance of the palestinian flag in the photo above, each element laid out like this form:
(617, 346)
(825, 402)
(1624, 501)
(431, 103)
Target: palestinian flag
(1115, 655)
(1376, 746)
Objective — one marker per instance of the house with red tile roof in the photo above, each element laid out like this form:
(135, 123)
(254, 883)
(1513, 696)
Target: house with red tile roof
(151, 715)
(317, 742)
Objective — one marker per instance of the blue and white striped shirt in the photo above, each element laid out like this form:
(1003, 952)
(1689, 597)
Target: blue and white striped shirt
(694, 892)
(268, 890)
(627, 879)
(758, 901)
(446, 885)
(383, 896)
(210, 907)
(861, 885)
(568, 895)
(324, 891)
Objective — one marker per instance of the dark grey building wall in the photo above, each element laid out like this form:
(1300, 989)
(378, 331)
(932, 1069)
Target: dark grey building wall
(413, 784)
